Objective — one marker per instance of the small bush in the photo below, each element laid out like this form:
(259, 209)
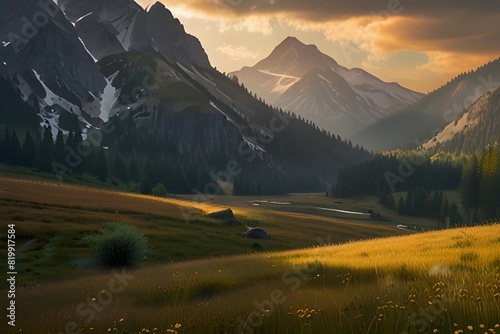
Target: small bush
(160, 191)
(118, 245)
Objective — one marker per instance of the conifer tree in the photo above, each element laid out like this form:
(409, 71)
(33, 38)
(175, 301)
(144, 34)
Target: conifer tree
(469, 185)
(46, 151)
(15, 151)
(29, 151)
(4, 145)
(59, 148)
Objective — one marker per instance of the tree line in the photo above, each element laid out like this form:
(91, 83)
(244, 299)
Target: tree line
(476, 177)
(374, 177)
(480, 183)
(40, 151)
(420, 202)
(146, 164)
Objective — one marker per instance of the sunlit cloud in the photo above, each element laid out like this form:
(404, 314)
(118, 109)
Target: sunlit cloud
(253, 24)
(454, 35)
(237, 52)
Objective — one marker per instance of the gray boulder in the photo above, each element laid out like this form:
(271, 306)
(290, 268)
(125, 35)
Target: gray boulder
(257, 233)
(225, 215)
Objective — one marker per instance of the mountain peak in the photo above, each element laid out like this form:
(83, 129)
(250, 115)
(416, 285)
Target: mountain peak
(291, 39)
(302, 79)
(294, 58)
(158, 7)
(125, 25)
(294, 42)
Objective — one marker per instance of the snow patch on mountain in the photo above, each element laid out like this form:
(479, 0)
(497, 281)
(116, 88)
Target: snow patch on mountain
(52, 99)
(90, 54)
(108, 98)
(84, 16)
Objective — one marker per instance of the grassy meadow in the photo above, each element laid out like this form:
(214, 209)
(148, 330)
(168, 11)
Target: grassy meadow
(51, 219)
(203, 277)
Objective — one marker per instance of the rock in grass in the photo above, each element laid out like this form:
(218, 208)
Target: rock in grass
(257, 233)
(225, 215)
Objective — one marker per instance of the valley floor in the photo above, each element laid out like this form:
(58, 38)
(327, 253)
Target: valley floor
(205, 278)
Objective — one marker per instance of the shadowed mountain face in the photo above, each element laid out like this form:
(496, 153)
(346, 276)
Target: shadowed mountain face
(138, 71)
(112, 26)
(42, 55)
(299, 78)
(473, 130)
(428, 117)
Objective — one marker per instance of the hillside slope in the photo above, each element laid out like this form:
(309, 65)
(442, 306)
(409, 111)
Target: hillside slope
(420, 122)
(452, 276)
(473, 130)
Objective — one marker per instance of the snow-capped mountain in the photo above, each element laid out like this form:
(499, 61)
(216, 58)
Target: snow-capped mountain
(420, 122)
(473, 130)
(301, 79)
(137, 72)
(113, 26)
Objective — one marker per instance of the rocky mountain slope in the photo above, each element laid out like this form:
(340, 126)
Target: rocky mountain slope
(112, 26)
(151, 94)
(473, 130)
(42, 55)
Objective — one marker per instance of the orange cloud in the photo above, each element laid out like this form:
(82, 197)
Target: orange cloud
(456, 26)
(456, 35)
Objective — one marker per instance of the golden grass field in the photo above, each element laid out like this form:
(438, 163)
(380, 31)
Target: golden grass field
(435, 282)
(51, 218)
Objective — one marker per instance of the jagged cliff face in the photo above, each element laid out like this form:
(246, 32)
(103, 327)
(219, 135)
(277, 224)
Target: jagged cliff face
(170, 107)
(99, 39)
(197, 134)
(42, 54)
(167, 36)
(108, 58)
(98, 20)
(47, 61)
(112, 26)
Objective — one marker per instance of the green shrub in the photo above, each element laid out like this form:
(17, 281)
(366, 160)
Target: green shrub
(160, 191)
(117, 245)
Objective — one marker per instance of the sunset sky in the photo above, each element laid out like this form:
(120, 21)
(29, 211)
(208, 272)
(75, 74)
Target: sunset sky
(419, 43)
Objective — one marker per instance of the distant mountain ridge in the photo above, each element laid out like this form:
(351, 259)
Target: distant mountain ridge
(420, 122)
(301, 79)
(476, 128)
